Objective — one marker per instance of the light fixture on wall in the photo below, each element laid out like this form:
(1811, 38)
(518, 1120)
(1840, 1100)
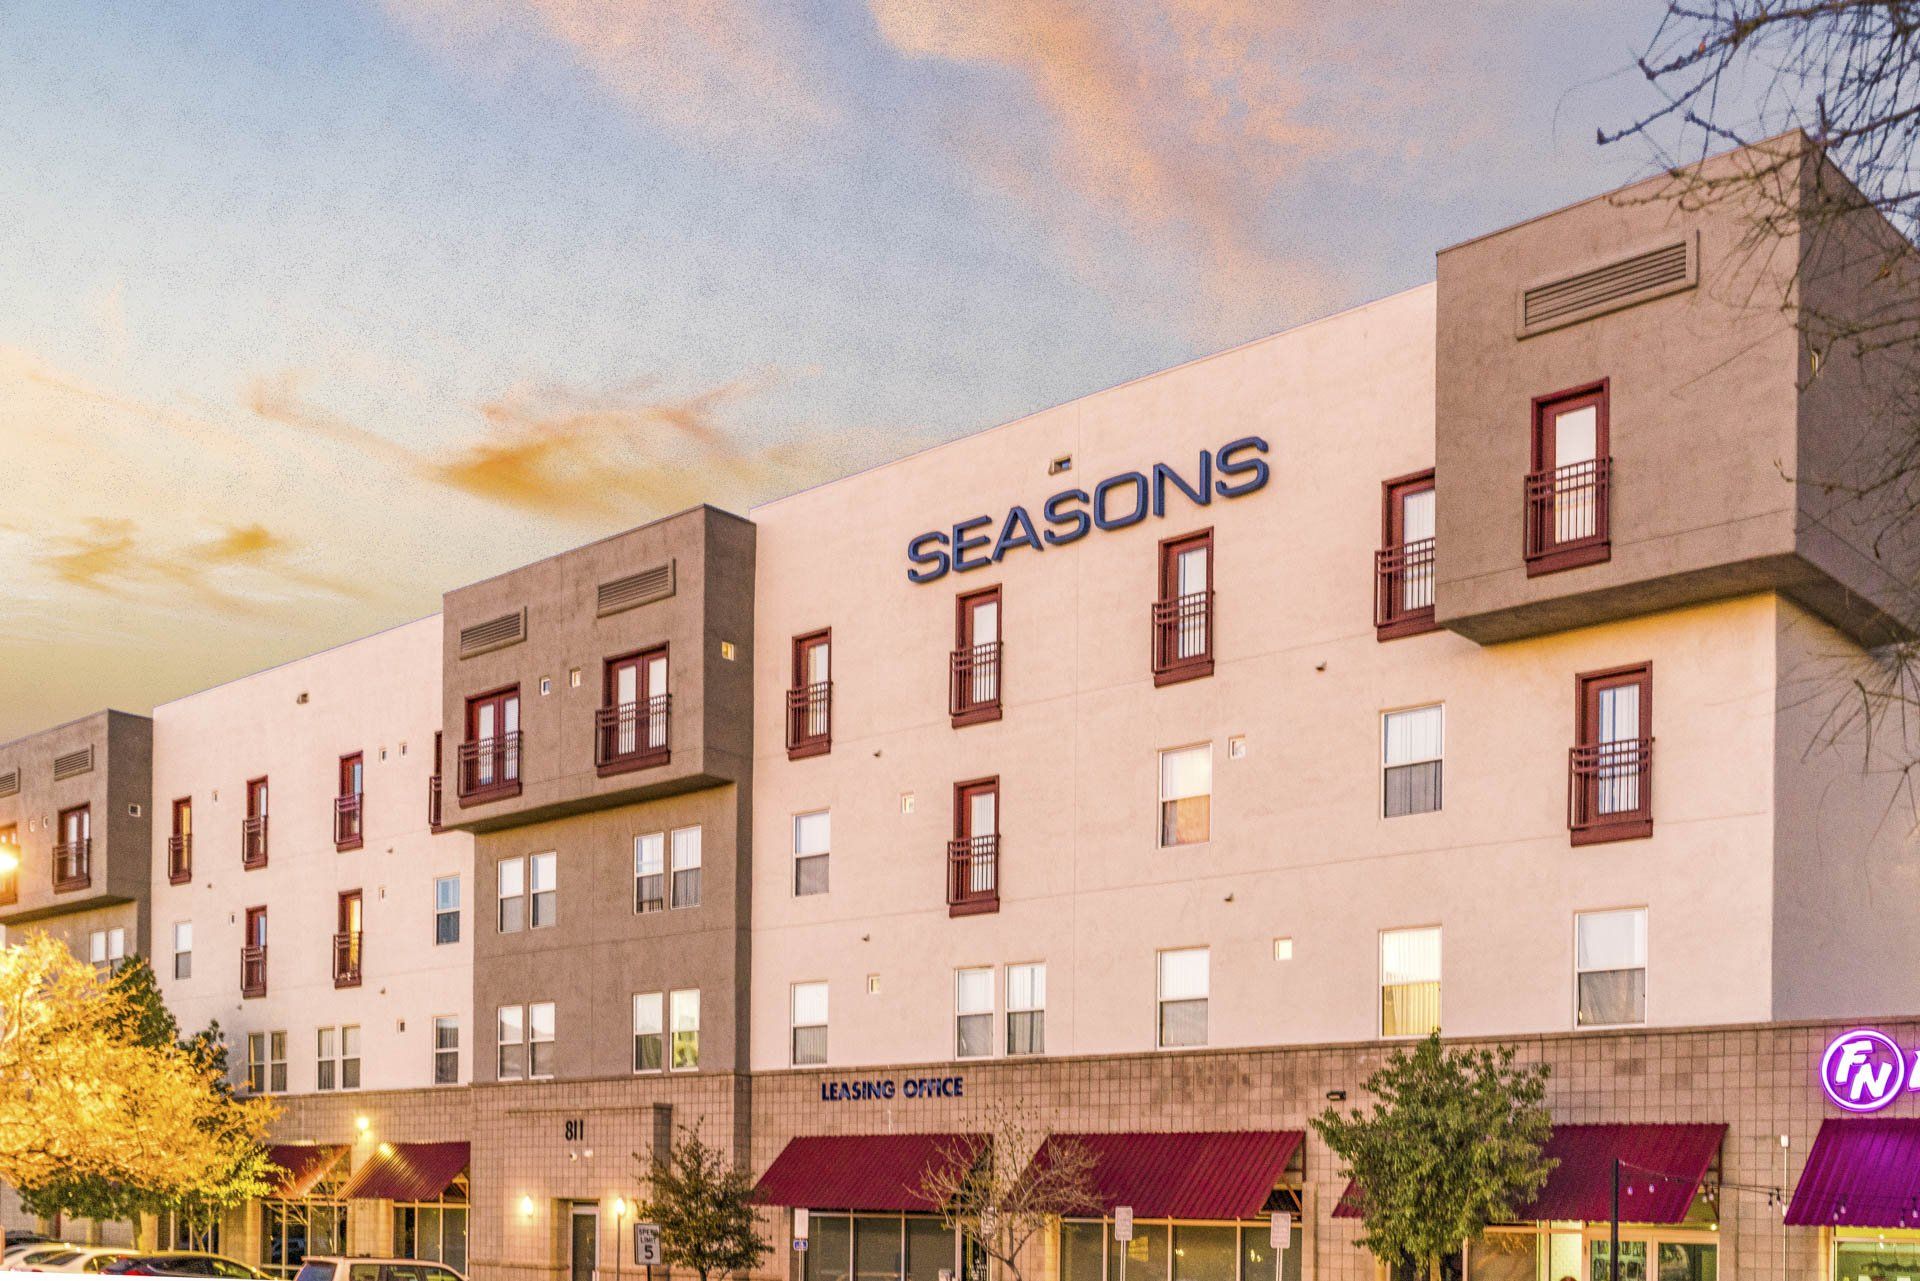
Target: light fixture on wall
(362, 1124)
(526, 1207)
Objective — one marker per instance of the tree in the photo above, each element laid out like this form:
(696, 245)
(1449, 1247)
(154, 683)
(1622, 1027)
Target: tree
(992, 1187)
(1453, 1143)
(103, 1113)
(702, 1203)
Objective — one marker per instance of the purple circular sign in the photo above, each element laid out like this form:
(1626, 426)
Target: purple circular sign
(1863, 1070)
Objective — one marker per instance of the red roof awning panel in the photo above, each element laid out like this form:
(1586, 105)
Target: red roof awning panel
(1863, 1172)
(1207, 1174)
(881, 1172)
(1662, 1167)
(407, 1172)
(299, 1167)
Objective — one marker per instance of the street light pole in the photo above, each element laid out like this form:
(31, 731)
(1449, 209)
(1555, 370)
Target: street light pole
(1613, 1228)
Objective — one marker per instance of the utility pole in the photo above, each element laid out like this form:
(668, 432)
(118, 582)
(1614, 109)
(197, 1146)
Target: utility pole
(1613, 1228)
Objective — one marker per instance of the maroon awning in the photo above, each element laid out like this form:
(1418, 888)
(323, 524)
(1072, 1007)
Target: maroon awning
(1661, 1170)
(1195, 1174)
(1863, 1172)
(407, 1172)
(862, 1171)
(299, 1167)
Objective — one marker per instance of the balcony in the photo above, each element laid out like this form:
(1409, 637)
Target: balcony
(1183, 637)
(73, 865)
(253, 841)
(630, 736)
(490, 768)
(1569, 516)
(346, 959)
(973, 687)
(253, 970)
(810, 720)
(1403, 589)
(433, 802)
(180, 859)
(973, 875)
(1610, 791)
(346, 821)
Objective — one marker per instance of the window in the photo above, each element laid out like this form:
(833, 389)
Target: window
(1610, 967)
(327, 1065)
(513, 894)
(972, 1013)
(1186, 794)
(490, 758)
(432, 1230)
(183, 949)
(1403, 567)
(543, 884)
(809, 1023)
(433, 781)
(540, 1039)
(810, 698)
(347, 830)
(974, 683)
(650, 872)
(73, 852)
(107, 949)
(338, 1054)
(1183, 997)
(685, 1006)
(267, 1062)
(1568, 517)
(253, 828)
(1027, 1009)
(253, 953)
(180, 843)
(812, 838)
(631, 725)
(649, 1034)
(350, 1057)
(686, 867)
(1183, 614)
(973, 856)
(348, 939)
(446, 910)
(1409, 981)
(446, 1049)
(1410, 744)
(1611, 765)
(10, 876)
(511, 1040)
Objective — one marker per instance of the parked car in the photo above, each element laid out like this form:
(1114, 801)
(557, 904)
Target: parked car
(23, 1236)
(35, 1252)
(92, 1258)
(181, 1263)
(361, 1268)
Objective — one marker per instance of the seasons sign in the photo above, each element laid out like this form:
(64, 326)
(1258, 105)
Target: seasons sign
(1237, 467)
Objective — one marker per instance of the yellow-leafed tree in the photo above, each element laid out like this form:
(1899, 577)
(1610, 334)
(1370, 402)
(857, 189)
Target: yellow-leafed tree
(86, 1100)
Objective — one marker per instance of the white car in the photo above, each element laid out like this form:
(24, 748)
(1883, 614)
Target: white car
(86, 1258)
(23, 1256)
(361, 1268)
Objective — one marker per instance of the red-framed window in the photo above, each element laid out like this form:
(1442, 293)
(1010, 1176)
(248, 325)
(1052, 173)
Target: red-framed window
(973, 691)
(1403, 567)
(810, 698)
(490, 756)
(180, 843)
(253, 953)
(10, 865)
(434, 810)
(253, 828)
(73, 851)
(1610, 768)
(973, 856)
(1183, 613)
(348, 935)
(631, 726)
(1569, 491)
(349, 802)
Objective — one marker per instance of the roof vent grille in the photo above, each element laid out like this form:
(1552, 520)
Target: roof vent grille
(495, 633)
(10, 782)
(643, 588)
(73, 764)
(1624, 282)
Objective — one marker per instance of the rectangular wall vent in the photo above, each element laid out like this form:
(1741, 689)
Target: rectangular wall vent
(643, 588)
(10, 783)
(73, 764)
(1625, 282)
(495, 633)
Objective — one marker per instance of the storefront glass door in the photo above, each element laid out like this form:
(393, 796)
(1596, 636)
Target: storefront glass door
(585, 1252)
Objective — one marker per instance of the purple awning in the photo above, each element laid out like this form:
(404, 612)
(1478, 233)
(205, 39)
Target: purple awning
(1863, 1172)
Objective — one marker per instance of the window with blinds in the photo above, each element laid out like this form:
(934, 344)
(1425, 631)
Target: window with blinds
(1411, 747)
(1410, 981)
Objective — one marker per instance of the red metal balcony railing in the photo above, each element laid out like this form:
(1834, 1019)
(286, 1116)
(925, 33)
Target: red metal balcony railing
(632, 735)
(490, 767)
(346, 821)
(433, 802)
(253, 970)
(346, 958)
(973, 875)
(253, 841)
(973, 685)
(1569, 515)
(73, 864)
(1183, 637)
(180, 859)
(810, 719)
(1610, 789)
(1403, 588)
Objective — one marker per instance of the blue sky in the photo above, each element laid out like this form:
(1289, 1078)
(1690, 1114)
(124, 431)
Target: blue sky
(312, 311)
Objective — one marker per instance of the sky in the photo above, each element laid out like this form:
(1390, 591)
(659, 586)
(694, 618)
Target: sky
(311, 312)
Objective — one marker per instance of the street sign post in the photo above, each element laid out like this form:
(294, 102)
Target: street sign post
(646, 1244)
(1123, 1223)
(1280, 1230)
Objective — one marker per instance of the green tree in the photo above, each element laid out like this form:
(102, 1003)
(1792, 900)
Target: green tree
(702, 1203)
(1454, 1142)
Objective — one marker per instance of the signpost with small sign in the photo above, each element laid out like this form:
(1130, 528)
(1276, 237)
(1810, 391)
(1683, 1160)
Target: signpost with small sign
(1280, 1230)
(646, 1243)
(1123, 1232)
(799, 1230)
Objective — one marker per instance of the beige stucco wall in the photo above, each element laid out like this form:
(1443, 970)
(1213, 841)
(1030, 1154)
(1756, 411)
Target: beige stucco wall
(380, 696)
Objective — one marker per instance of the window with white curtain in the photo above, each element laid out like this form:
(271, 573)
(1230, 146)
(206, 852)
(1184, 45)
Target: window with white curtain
(685, 845)
(1184, 981)
(973, 1012)
(543, 884)
(812, 838)
(1409, 981)
(650, 872)
(1610, 967)
(1411, 747)
(1186, 794)
(1027, 1009)
(809, 1023)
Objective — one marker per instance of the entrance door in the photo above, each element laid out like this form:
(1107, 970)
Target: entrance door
(585, 1255)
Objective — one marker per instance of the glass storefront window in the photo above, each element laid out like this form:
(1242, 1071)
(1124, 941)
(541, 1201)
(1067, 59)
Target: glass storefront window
(929, 1249)
(1205, 1252)
(829, 1248)
(1082, 1251)
(1889, 1256)
(1687, 1262)
(292, 1230)
(1633, 1261)
(433, 1231)
(1258, 1258)
(876, 1248)
(1506, 1256)
(1145, 1256)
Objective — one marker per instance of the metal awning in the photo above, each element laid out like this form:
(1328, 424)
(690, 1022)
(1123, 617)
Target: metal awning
(1194, 1174)
(407, 1172)
(1863, 1172)
(881, 1172)
(301, 1166)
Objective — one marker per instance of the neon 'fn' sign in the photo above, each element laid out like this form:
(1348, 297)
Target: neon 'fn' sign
(1863, 1071)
